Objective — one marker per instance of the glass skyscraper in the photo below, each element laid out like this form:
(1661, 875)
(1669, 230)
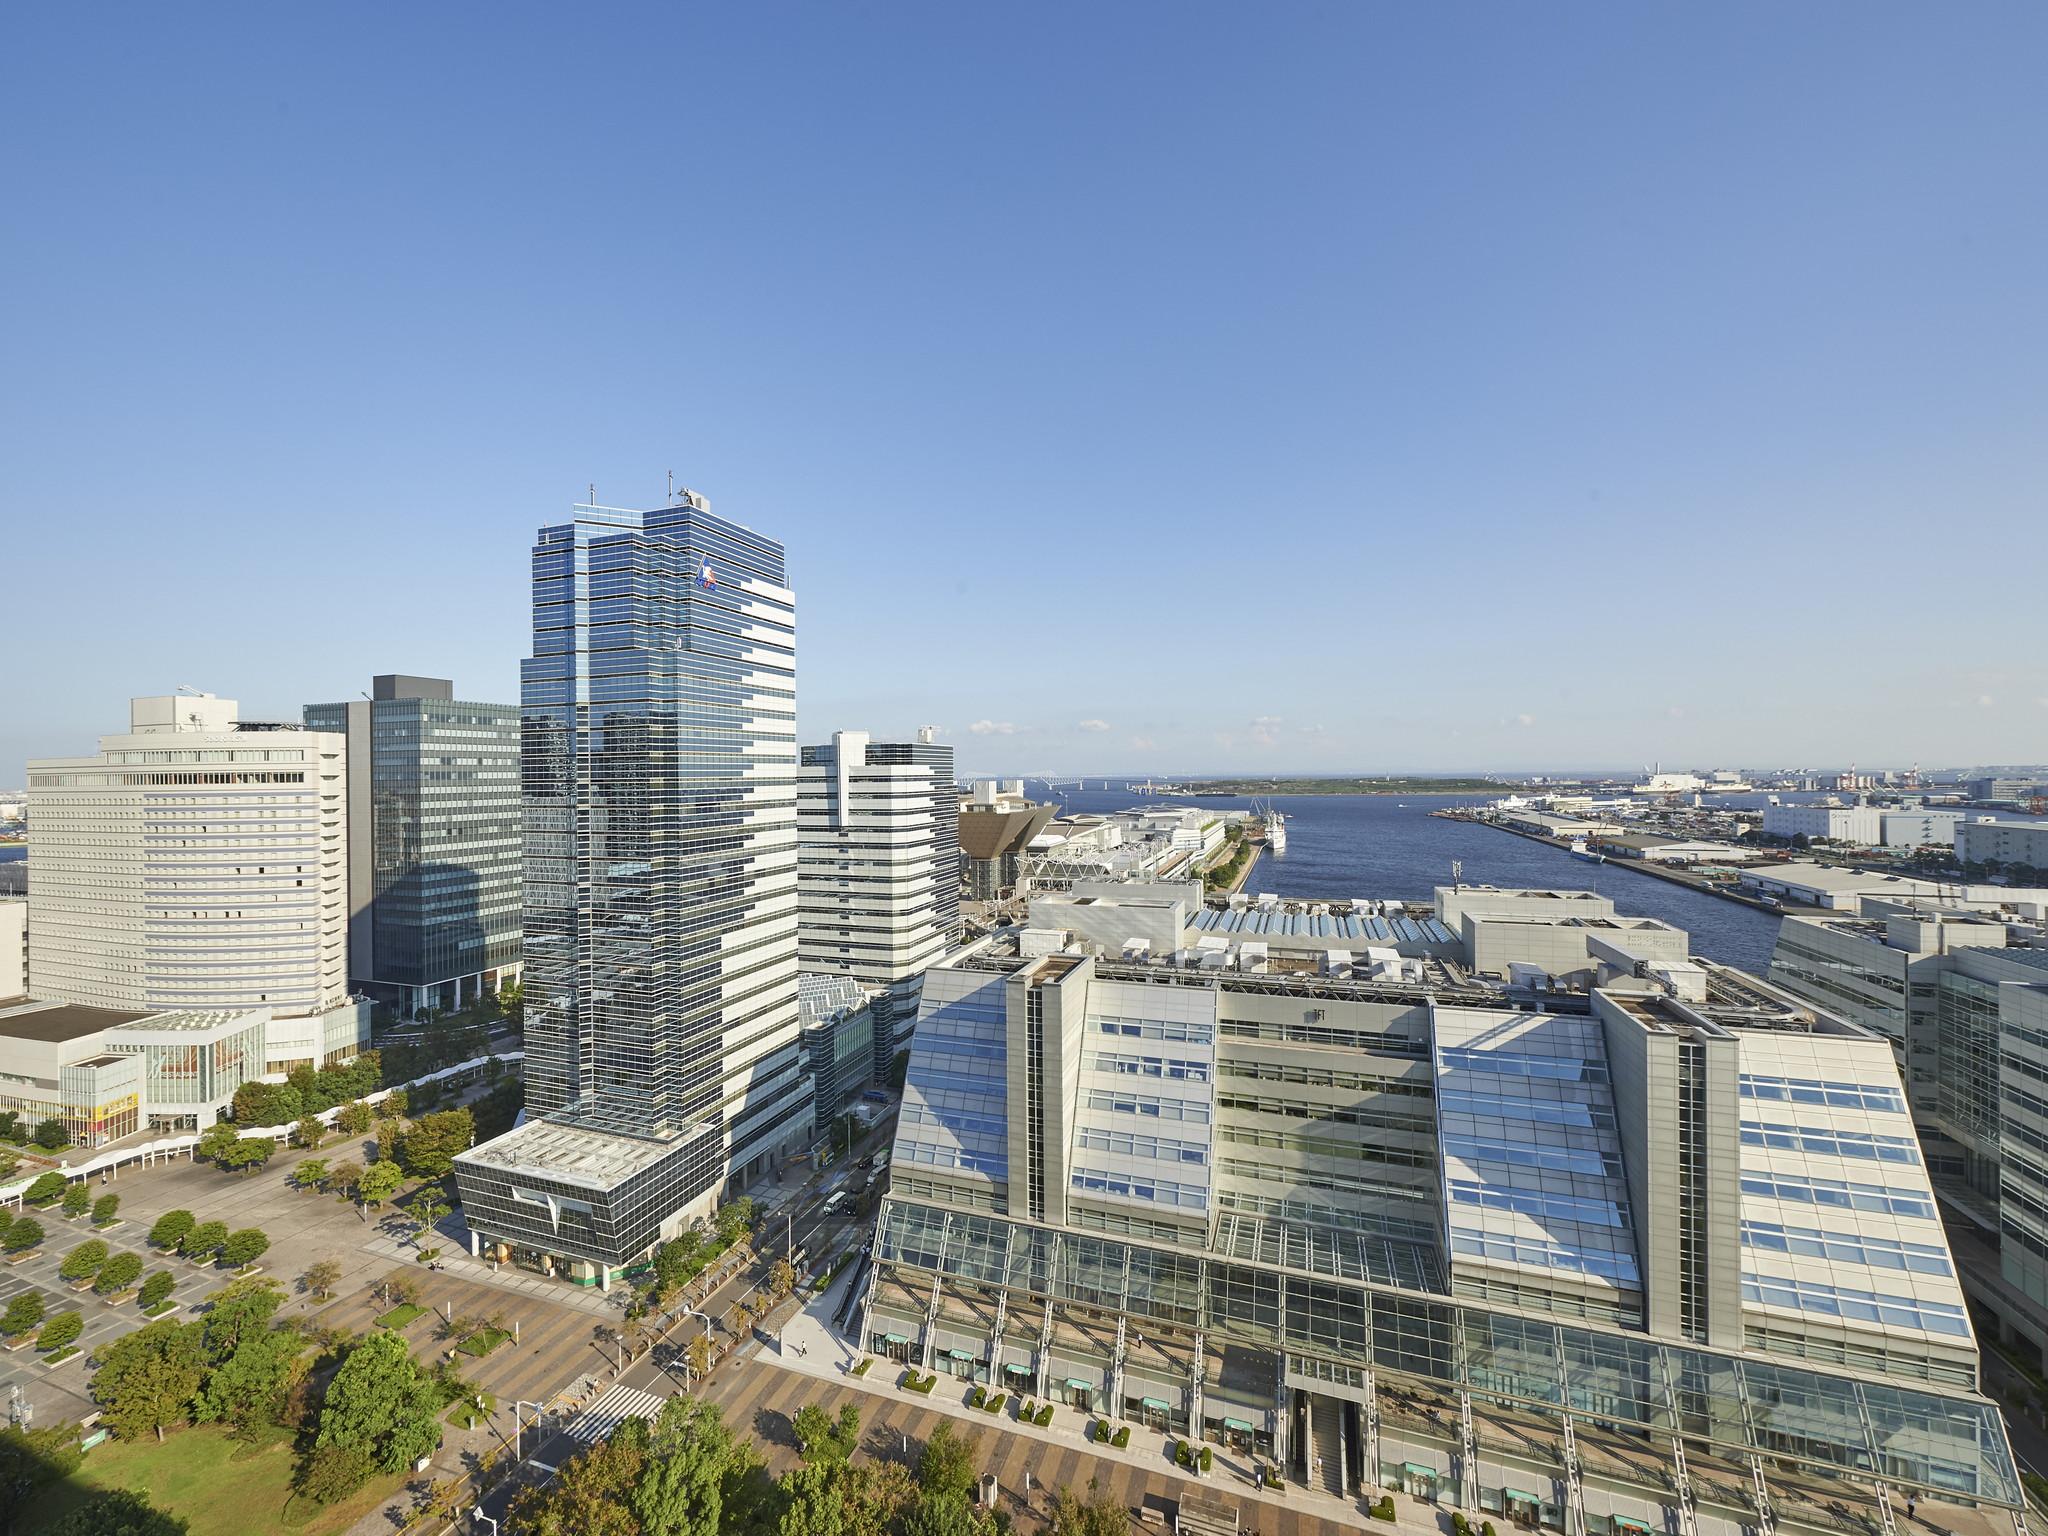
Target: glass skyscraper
(434, 842)
(659, 780)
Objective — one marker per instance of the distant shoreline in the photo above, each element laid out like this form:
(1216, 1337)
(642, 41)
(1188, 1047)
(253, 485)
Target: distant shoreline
(1201, 787)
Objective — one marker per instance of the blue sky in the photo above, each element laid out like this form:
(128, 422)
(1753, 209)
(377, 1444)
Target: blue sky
(1152, 387)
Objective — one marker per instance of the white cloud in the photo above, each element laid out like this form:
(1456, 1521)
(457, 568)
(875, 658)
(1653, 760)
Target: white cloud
(1143, 744)
(1311, 730)
(1265, 729)
(1094, 725)
(1525, 719)
(993, 728)
(1675, 712)
(1985, 701)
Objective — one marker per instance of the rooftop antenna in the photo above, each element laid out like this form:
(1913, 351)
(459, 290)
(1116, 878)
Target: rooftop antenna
(671, 488)
(1457, 872)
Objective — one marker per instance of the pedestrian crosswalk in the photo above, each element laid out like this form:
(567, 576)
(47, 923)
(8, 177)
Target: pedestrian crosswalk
(610, 1411)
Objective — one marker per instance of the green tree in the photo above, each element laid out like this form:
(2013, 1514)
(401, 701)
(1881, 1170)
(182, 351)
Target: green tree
(47, 1189)
(216, 1139)
(429, 1146)
(24, 1233)
(592, 1496)
(267, 1104)
(84, 1261)
(51, 1135)
(333, 1472)
(30, 1460)
(781, 1279)
(247, 1154)
(156, 1290)
(61, 1331)
(120, 1271)
(692, 1460)
(244, 1247)
(838, 1499)
(105, 1209)
(9, 1161)
(204, 1240)
(309, 1173)
(117, 1512)
(248, 1387)
(170, 1229)
(950, 1462)
(379, 1183)
(320, 1277)
(735, 1219)
(23, 1315)
(825, 1438)
(353, 1118)
(308, 1133)
(1100, 1514)
(343, 1178)
(381, 1404)
(394, 1105)
(77, 1199)
(147, 1379)
(427, 1206)
(239, 1309)
(512, 1003)
(932, 1515)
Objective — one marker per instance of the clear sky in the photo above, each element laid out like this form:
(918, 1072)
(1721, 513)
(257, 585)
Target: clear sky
(1136, 386)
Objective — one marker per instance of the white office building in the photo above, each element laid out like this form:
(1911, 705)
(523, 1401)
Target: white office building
(1838, 823)
(878, 870)
(13, 947)
(1919, 828)
(198, 863)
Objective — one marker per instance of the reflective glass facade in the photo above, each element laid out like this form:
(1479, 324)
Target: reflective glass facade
(441, 862)
(658, 775)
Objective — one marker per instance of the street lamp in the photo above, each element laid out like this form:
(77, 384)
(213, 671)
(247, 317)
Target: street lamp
(519, 1425)
(478, 1514)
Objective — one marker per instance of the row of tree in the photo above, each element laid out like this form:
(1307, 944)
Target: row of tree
(49, 1134)
(687, 1474)
(182, 1233)
(75, 1197)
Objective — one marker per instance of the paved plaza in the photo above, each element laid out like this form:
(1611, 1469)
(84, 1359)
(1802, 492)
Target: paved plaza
(58, 1391)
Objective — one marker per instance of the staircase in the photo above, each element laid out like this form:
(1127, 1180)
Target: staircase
(1326, 1442)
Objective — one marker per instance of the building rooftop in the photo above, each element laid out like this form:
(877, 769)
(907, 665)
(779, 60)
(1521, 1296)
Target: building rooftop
(571, 1154)
(50, 1022)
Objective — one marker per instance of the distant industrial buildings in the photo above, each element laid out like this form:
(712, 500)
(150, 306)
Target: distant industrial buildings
(2007, 844)
(435, 840)
(1868, 825)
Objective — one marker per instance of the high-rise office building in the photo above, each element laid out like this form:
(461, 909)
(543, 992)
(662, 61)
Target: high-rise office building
(1658, 1253)
(659, 779)
(199, 863)
(879, 870)
(435, 842)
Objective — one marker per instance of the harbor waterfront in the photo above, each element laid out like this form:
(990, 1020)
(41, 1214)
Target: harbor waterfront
(1341, 846)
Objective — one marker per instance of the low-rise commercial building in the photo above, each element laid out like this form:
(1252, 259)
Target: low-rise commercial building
(107, 1073)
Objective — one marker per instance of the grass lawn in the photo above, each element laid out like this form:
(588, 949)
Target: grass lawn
(399, 1316)
(204, 1477)
(481, 1344)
